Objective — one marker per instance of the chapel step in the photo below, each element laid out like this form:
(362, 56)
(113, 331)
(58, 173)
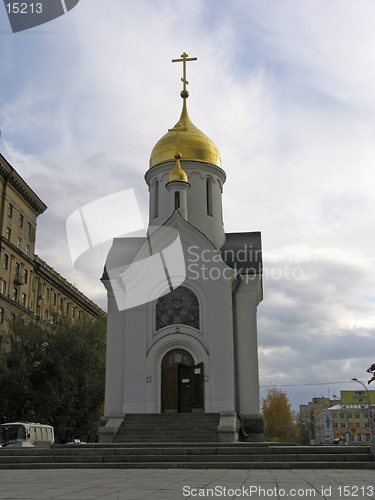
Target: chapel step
(188, 456)
(169, 428)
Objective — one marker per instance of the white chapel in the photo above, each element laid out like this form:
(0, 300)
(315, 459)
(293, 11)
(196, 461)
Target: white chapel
(189, 346)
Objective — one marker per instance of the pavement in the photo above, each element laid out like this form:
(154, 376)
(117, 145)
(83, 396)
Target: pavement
(176, 484)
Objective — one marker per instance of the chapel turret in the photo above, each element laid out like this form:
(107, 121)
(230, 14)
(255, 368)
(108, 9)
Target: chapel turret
(185, 174)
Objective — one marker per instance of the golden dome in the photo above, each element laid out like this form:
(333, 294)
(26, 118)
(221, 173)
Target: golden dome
(178, 174)
(193, 144)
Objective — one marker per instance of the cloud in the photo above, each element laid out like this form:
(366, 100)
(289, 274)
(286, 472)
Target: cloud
(284, 89)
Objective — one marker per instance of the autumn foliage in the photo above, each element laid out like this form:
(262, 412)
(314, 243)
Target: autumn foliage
(278, 415)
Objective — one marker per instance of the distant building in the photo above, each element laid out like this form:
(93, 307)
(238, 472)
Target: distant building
(309, 411)
(359, 396)
(29, 286)
(349, 421)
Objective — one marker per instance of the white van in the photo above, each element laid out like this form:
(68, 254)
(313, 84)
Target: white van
(26, 434)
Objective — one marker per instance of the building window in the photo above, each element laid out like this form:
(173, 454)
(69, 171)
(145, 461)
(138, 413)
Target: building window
(67, 307)
(61, 303)
(334, 415)
(359, 438)
(177, 199)
(7, 234)
(6, 261)
(357, 415)
(343, 425)
(73, 311)
(156, 199)
(38, 311)
(348, 415)
(10, 210)
(3, 287)
(79, 314)
(47, 294)
(1, 315)
(15, 294)
(54, 299)
(27, 251)
(46, 315)
(25, 276)
(19, 243)
(20, 222)
(29, 228)
(209, 195)
(342, 415)
(17, 268)
(335, 425)
(24, 299)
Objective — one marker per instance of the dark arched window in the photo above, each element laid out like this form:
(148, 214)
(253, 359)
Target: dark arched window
(177, 199)
(209, 195)
(156, 199)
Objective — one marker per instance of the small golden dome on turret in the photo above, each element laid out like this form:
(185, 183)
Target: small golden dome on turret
(193, 144)
(178, 174)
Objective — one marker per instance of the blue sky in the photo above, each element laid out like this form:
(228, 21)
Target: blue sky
(286, 91)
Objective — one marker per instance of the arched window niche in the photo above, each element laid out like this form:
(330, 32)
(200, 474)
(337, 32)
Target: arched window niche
(177, 199)
(180, 307)
(209, 196)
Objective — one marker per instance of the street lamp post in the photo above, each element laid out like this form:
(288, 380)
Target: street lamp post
(370, 408)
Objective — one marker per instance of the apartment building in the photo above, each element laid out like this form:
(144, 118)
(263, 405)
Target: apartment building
(28, 285)
(349, 423)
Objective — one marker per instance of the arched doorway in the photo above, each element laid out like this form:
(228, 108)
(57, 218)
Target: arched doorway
(181, 383)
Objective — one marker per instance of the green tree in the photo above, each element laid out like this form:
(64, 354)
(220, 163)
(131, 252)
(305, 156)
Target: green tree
(372, 371)
(55, 374)
(278, 415)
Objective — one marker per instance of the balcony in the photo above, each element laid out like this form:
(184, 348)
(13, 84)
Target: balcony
(18, 279)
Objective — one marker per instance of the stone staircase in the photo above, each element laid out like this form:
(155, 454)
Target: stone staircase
(187, 456)
(169, 428)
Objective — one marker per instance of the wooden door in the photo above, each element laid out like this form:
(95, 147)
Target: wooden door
(181, 383)
(169, 390)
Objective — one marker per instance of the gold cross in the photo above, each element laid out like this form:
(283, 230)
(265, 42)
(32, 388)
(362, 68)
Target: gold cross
(183, 60)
